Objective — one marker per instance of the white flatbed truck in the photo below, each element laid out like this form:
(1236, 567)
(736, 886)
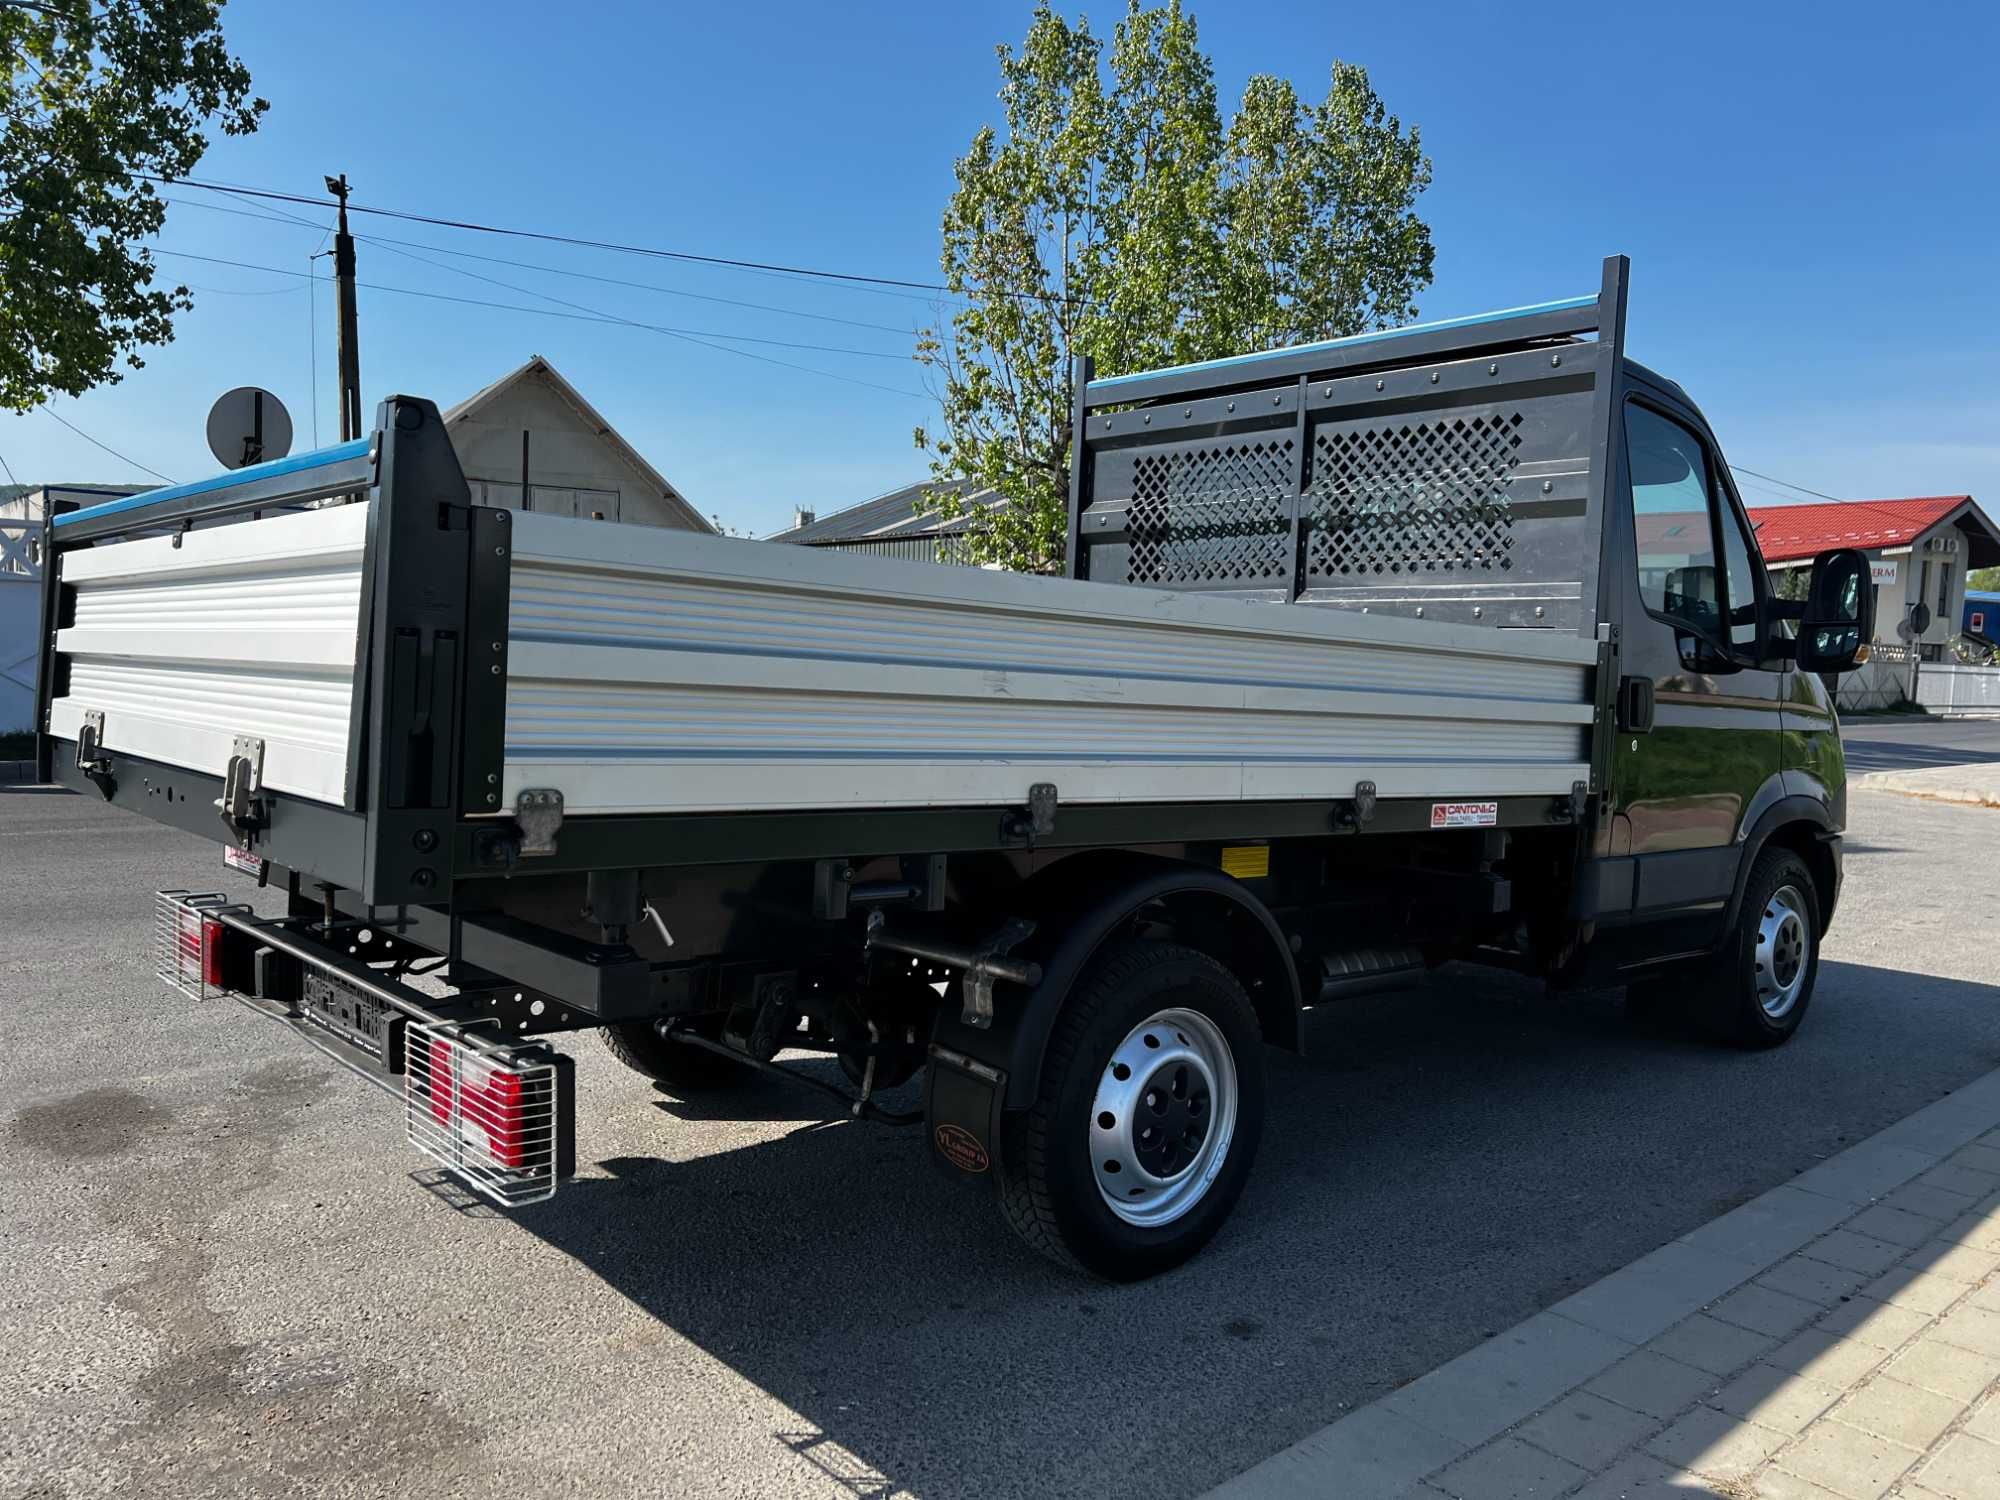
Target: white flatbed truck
(1444, 643)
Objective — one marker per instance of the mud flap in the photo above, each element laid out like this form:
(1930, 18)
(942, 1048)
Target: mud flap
(964, 1100)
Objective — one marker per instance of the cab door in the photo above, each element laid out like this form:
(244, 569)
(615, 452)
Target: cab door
(1686, 788)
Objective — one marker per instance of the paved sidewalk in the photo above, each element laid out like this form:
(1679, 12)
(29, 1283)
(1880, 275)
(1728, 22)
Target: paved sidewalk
(1837, 1337)
(1978, 784)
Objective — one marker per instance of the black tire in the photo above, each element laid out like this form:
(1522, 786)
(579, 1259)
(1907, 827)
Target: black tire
(679, 1066)
(1049, 1181)
(1756, 991)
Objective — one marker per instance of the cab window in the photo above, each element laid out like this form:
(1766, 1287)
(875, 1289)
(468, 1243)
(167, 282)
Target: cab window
(1739, 560)
(1673, 520)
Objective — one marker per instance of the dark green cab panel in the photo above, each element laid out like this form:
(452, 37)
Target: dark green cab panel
(1815, 764)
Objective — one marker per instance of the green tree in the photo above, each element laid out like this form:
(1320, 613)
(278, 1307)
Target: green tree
(1984, 579)
(97, 93)
(1118, 216)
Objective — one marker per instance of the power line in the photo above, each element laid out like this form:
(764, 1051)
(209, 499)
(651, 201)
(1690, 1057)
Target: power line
(10, 471)
(702, 337)
(105, 446)
(472, 226)
(1787, 484)
(522, 265)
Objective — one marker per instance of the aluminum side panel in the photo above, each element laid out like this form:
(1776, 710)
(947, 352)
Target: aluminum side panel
(248, 629)
(654, 671)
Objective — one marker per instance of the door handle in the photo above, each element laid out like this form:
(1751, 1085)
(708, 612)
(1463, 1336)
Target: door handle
(1635, 705)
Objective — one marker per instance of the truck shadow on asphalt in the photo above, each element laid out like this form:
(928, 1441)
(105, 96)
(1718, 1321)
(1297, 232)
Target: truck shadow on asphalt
(1473, 1152)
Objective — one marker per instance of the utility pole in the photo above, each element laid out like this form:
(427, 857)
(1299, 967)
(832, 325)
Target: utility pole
(349, 350)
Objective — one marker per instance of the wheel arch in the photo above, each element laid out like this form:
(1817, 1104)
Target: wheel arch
(1081, 903)
(1803, 826)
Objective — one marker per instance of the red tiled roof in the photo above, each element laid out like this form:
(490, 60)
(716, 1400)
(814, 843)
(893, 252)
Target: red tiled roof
(1788, 532)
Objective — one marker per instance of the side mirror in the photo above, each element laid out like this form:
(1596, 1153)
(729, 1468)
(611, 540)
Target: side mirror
(1839, 618)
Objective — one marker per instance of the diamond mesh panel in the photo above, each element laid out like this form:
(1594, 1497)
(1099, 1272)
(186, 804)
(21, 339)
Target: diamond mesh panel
(1397, 499)
(1215, 515)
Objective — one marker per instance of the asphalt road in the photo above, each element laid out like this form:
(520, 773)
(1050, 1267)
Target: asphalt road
(1912, 742)
(221, 1272)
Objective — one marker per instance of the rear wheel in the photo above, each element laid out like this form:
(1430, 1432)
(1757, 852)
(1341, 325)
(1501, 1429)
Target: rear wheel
(1150, 1104)
(639, 1046)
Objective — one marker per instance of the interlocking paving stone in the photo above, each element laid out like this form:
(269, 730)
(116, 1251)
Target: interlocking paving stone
(1709, 1344)
(1987, 1296)
(1894, 1225)
(1641, 1478)
(1945, 1368)
(1929, 1202)
(1861, 1174)
(1775, 1398)
(1762, 1310)
(1714, 1443)
(1371, 1454)
(1816, 1280)
(1964, 1468)
(1961, 1177)
(1871, 1322)
(1974, 1328)
(1586, 1429)
(1855, 1252)
(1488, 1389)
(1827, 1357)
(1769, 1227)
(1979, 1229)
(1985, 1422)
(1960, 1262)
(1915, 1288)
(1848, 1461)
(1651, 1383)
(1509, 1470)
(1776, 1484)
(1979, 1156)
(1654, 1292)
(1902, 1413)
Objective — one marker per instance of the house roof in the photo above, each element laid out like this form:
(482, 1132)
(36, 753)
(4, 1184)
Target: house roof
(893, 514)
(537, 366)
(1786, 533)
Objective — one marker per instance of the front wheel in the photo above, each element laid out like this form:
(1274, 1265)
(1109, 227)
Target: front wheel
(1150, 1104)
(1765, 972)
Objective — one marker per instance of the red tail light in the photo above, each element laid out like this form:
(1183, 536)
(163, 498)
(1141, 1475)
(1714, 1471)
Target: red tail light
(485, 1100)
(211, 953)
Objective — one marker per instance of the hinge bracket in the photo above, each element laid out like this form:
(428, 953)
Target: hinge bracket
(539, 811)
(1353, 815)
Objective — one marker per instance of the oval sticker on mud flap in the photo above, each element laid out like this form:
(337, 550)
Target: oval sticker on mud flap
(961, 1148)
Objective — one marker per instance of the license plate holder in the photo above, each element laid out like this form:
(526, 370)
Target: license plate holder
(334, 1004)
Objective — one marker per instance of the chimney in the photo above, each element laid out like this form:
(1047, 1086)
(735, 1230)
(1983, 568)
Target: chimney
(802, 517)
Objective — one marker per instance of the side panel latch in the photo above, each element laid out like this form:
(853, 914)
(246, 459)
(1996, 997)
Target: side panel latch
(91, 758)
(1038, 821)
(240, 806)
(539, 811)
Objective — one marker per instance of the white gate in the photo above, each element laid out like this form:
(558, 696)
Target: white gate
(1948, 688)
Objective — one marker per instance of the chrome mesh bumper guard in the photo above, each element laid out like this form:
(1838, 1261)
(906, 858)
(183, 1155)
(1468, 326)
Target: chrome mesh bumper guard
(181, 939)
(486, 1111)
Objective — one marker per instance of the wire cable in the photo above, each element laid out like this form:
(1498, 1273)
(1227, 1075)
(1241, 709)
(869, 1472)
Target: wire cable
(702, 338)
(522, 265)
(105, 446)
(560, 239)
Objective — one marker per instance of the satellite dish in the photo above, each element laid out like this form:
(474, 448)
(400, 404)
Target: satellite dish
(248, 426)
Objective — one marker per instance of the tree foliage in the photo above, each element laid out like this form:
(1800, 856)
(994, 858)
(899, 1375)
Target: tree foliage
(1984, 579)
(97, 92)
(1118, 216)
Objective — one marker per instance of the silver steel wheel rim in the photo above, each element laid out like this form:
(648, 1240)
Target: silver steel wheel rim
(1162, 1118)
(1784, 951)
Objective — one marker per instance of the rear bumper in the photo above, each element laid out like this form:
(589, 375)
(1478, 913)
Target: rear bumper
(498, 1114)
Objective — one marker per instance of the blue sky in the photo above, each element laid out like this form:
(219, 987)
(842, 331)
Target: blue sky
(1807, 192)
